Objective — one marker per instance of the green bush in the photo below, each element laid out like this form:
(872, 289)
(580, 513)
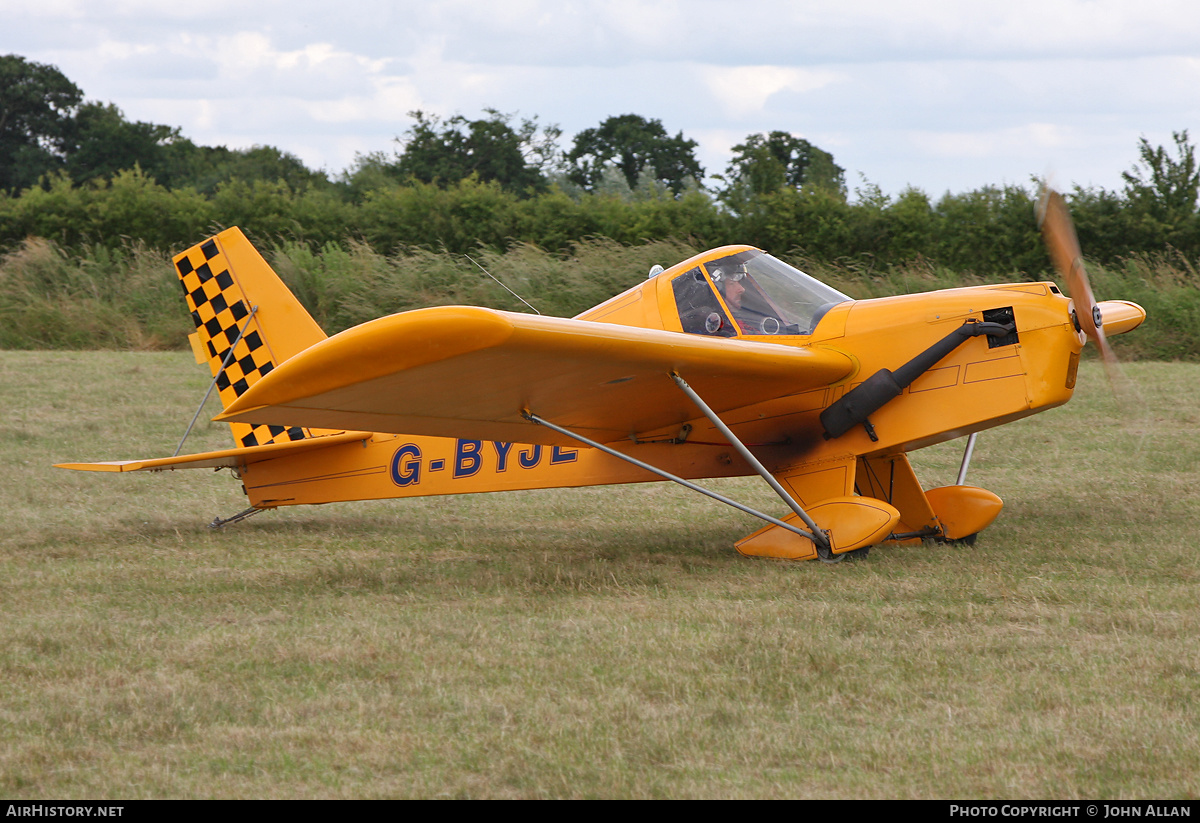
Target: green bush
(1165, 285)
(127, 297)
(128, 208)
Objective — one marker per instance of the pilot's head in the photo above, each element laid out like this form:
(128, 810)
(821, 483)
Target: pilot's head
(730, 281)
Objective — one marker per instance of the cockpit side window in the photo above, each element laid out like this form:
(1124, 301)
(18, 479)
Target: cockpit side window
(699, 309)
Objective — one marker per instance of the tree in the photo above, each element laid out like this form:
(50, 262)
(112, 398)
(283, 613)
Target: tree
(489, 148)
(766, 163)
(37, 103)
(988, 231)
(1166, 188)
(103, 143)
(206, 168)
(633, 145)
(45, 128)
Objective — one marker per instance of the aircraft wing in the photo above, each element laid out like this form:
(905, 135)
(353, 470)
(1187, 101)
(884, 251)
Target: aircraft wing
(469, 372)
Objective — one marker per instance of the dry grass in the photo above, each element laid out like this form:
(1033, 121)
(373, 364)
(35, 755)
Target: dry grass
(588, 643)
(127, 298)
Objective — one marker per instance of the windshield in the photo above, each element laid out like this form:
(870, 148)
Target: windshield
(767, 296)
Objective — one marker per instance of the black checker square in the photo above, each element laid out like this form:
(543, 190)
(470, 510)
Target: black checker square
(197, 297)
(261, 355)
(219, 302)
(225, 280)
(184, 266)
(209, 250)
(204, 272)
(239, 311)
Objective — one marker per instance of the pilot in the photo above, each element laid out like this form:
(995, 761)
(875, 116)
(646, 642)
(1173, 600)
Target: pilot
(729, 283)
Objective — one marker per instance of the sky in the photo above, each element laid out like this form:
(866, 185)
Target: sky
(941, 95)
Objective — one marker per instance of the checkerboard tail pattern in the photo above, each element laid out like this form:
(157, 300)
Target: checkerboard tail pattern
(222, 315)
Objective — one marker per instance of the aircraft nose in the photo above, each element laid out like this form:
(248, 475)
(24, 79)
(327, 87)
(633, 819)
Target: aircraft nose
(1120, 316)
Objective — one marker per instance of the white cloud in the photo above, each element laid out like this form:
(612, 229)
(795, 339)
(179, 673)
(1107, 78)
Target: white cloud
(951, 146)
(391, 101)
(743, 90)
(937, 93)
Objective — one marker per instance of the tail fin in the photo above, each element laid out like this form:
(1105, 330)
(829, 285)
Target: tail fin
(238, 303)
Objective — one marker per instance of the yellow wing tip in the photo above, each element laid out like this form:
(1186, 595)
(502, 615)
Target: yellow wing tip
(109, 466)
(234, 413)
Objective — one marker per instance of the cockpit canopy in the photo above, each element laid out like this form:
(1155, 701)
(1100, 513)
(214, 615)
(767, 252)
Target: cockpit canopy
(751, 293)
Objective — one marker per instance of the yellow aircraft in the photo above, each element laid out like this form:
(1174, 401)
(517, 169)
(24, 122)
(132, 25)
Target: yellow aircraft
(730, 363)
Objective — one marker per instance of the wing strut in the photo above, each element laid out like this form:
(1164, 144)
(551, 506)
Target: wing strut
(818, 537)
(815, 534)
(966, 461)
(687, 484)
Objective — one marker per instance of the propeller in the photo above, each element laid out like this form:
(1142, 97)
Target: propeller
(1063, 245)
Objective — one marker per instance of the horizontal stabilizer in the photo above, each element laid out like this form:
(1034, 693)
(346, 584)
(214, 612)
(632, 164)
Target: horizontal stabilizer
(223, 459)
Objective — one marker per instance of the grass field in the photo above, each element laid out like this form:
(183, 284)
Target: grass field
(588, 643)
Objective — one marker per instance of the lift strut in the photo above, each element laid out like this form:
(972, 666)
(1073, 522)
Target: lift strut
(814, 534)
(819, 537)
